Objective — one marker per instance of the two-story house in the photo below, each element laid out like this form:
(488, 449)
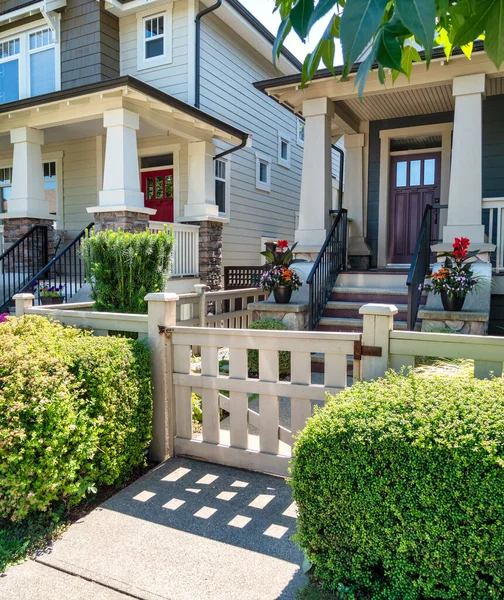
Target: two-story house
(134, 113)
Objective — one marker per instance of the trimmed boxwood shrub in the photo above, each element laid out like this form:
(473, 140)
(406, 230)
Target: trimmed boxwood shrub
(123, 267)
(400, 489)
(75, 411)
(284, 359)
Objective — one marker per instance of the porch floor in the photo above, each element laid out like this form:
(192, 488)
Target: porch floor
(185, 530)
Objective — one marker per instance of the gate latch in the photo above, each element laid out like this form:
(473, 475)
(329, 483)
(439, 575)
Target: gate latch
(360, 351)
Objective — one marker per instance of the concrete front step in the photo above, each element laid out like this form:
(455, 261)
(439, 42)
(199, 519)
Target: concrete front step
(354, 325)
(386, 279)
(350, 309)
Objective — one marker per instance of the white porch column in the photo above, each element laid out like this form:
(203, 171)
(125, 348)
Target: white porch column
(121, 177)
(354, 199)
(465, 198)
(201, 198)
(28, 195)
(316, 185)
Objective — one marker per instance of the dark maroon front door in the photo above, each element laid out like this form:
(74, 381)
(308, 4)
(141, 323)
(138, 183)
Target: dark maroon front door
(414, 183)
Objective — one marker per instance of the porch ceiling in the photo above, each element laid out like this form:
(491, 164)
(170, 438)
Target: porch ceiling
(160, 113)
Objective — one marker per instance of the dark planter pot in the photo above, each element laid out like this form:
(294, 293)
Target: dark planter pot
(45, 301)
(282, 294)
(452, 303)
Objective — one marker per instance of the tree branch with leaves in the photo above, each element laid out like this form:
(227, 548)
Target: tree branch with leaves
(389, 32)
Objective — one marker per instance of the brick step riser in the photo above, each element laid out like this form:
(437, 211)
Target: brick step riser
(353, 313)
(369, 298)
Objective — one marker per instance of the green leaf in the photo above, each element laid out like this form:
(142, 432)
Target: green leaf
(409, 56)
(359, 23)
(283, 31)
(475, 24)
(443, 39)
(467, 49)
(366, 65)
(300, 17)
(322, 8)
(494, 42)
(389, 52)
(419, 16)
(381, 74)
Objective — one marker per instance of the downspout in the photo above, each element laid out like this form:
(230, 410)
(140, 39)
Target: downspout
(199, 16)
(341, 175)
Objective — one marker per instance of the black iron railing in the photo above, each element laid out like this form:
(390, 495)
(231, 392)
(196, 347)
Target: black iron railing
(20, 262)
(330, 262)
(65, 271)
(420, 267)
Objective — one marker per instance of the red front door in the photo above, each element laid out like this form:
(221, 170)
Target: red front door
(415, 182)
(157, 187)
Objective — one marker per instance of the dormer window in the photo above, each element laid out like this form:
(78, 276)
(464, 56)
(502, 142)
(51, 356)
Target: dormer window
(154, 38)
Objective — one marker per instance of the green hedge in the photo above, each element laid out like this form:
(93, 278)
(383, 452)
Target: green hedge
(284, 357)
(75, 412)
(400, 489)
(122, 267)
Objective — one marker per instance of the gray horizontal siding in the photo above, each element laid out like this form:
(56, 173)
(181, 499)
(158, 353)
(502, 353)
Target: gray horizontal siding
(375, 127)
(493, 147)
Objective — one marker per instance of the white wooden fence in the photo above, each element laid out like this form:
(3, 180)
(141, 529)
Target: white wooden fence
(373, 352)
(186, 251)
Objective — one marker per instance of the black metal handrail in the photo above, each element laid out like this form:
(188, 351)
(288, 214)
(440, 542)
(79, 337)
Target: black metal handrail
(420, 267)
(21, 261)
(66, 269)
(331, 260)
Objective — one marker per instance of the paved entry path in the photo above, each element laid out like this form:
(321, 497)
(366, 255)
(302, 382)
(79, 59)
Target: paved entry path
(186, 530)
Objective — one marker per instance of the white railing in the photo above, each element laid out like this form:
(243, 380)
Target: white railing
(186, 251)
(1, 239)
(233, 444)
(495, 207)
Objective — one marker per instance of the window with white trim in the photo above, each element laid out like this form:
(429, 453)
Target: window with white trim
(154, 38)
(284, 151)
(50, 169)
(29, 65)
(222, 180)
(300, 132)
(263, 173)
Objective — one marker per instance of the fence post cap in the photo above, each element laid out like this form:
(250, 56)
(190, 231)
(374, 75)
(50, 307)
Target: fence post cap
(23, 297)
(200, 287)
(161, 297)
(384, 310)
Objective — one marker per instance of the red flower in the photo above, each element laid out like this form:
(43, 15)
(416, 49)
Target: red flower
(283, 244)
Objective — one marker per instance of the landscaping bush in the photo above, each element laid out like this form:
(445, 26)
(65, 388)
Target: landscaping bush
(400, 489)
(75, 411)
(284, 358)
(122, 268)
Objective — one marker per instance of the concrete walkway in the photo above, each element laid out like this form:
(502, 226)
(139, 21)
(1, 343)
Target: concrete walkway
(186, 530)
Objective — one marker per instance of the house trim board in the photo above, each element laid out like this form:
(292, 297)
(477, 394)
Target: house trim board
(445, 129)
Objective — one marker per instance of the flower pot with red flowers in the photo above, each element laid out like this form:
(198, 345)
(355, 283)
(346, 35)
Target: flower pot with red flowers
(456, 278)
(49, 294)
(279, 278)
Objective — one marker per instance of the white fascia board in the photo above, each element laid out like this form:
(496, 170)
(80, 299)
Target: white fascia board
(227, 14)
(44, 6)
(120, 10)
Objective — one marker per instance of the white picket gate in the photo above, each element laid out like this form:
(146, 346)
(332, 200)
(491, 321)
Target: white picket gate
(270, 450)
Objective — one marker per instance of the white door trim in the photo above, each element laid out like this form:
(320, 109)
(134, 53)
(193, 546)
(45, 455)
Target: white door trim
(443, 129)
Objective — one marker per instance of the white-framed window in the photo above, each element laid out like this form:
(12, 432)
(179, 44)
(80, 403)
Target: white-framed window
(300, 131)
(263, 172)
(284, 150)
(222, 185)
(30, 64)
(154, 38)
(52, 184)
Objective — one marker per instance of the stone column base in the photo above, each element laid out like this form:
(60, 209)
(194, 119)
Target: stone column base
(210, 253)
(126, 220)
(32, 257)
(294, 315)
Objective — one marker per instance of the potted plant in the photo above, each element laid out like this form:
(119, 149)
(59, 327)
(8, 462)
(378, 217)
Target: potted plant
(49, 294)
(278, 277)
(456, 278)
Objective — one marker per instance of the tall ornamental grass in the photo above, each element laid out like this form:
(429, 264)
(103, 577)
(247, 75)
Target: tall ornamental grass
(122, 267)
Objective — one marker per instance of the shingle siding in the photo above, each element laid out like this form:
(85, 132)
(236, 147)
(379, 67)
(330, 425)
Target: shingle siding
(493, 147)
(375, 127)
